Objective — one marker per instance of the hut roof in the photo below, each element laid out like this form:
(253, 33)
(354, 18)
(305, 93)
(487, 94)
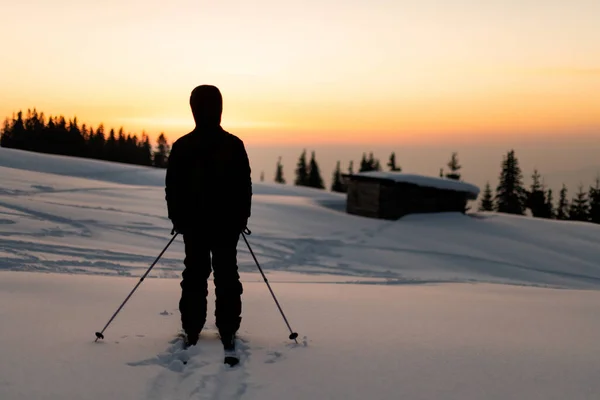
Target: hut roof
(420, 180)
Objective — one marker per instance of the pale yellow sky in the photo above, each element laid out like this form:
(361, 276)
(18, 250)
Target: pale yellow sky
(298, 71)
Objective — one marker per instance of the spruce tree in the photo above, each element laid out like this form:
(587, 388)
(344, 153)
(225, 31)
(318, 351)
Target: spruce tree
(337, 185)
(111, 146)
(18, 132)
(454, 168)
(161, 155)
(511, 196)
(279, 172)
(364, 164)
(487, 201)
(537, 196)
(373, 163)
(579, 210)
(594, 200)
(302, 171)
(6, 138)
(351, 168)
(146, 150)
(549, 211)
(314, 174)
(392, 163)
(562, 211)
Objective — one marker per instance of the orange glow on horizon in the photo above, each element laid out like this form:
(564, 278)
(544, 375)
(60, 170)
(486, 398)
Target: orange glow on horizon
(380, 72)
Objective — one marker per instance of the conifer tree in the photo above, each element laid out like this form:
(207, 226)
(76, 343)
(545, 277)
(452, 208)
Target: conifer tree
(18, 132)
(337, 185)
(369, 164)
(364, 164)
(146, 152)
(537, 196)
(6, 138)
(549, 211)
(562, 211)
(487, 201)
(594, 200)
(161, 155)
(351, 168)
(454, 168)
(511, 196)
(121, 150)
(373, 163)
(392, 163)
(314, 174)
(579, 210)
(301, 171)
(111, 146)
(279, 172)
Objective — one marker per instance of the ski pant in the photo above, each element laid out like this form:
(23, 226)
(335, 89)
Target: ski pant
(194, 285)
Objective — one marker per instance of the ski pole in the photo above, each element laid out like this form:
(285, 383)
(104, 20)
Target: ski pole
(100, 335)
(293, 335)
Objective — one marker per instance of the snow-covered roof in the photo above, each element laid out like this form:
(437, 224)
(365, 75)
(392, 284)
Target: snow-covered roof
(422, 180)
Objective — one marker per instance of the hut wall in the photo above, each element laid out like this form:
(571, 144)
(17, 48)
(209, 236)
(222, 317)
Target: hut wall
(391, 200)
(363, 198)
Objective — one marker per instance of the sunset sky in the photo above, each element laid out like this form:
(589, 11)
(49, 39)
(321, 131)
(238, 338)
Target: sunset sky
(326, 71)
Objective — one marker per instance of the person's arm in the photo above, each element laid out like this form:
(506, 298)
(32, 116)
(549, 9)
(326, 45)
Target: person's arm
(245, 183)
(173, 186)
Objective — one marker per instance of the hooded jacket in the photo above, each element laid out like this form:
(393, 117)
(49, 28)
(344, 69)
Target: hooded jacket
(208, 182)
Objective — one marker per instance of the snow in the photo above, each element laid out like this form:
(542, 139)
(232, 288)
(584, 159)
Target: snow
(423, 180)
(452, 306)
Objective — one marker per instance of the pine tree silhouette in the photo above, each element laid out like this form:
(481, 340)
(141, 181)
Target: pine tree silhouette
(337, 185)
(301, 171)
(549, 211)
(562, 211)
(314, 174)
(454, 168)
(369, 164)
(392, 163)
(487, 201)
(536, 201)
(364, 164)
(161, 155)
(279, 172)
(579, 210)
(146, 150)
(6, 134)
(511, 196)
(373, 163)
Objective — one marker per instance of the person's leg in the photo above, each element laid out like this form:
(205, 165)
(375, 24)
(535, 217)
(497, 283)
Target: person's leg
(194, 286)
(228, 288)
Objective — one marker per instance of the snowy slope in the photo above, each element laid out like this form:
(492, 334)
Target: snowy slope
(55, 222)
(371, 300)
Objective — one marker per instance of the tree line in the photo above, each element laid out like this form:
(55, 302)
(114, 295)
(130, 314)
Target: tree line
(57, 135)
(511, 196)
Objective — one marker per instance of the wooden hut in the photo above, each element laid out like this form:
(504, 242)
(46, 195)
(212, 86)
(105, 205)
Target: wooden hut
(391, 195)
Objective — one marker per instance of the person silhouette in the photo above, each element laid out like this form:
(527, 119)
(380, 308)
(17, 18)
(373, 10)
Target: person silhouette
(208, 189)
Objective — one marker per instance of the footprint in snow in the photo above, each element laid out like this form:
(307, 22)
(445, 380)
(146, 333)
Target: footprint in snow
(274, 357)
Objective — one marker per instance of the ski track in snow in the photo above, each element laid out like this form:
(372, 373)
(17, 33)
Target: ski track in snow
(205, 376)
(65, 224)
